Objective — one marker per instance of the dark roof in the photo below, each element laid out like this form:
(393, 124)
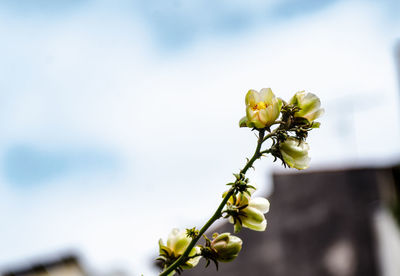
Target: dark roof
(44, 266)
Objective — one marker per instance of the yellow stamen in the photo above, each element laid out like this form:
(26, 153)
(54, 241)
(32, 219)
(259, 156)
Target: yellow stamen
(259, 106)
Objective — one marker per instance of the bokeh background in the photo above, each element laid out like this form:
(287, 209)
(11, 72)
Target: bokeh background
(119, 119)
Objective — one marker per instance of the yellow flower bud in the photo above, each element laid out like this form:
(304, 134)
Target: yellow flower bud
(295, 153)
(262, 109)
(226, 246)
(309, 105)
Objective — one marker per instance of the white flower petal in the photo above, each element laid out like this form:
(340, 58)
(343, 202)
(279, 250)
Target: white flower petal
(260, 203)
(255, 226)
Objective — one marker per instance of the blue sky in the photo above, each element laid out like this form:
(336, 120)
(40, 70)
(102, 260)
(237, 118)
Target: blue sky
(111, 111)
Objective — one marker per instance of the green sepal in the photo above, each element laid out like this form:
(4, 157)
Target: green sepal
(243, 122)
(238, 226)
(315, 124)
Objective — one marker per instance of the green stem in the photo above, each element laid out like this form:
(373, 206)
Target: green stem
(183, 258)
(269, 135)
(256, 153)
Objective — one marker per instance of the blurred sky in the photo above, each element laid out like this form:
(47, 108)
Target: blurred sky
(119, 119)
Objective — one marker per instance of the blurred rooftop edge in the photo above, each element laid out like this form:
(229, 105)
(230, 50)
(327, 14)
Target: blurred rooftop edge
(64, 265)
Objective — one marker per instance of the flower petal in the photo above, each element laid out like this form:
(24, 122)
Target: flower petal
(252, 98)
(309, 105)
(267, 95)
(260, 203)
(193, 261)
(295, 153)
(252, 215)
(172, 238)
(314, 115)
(255, 226)
(263, 116)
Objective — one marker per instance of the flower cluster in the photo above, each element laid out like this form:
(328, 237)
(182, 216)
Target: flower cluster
(286, 125)
(297, 119)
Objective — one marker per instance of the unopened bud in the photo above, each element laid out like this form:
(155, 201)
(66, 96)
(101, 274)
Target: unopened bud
(295, 153)
(226, 246)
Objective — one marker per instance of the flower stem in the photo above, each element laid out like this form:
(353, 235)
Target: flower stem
(184, 257)
(269, 135)
(256, 153)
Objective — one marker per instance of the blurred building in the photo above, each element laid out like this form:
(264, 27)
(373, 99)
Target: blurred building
(64, 266)
(323, 223)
